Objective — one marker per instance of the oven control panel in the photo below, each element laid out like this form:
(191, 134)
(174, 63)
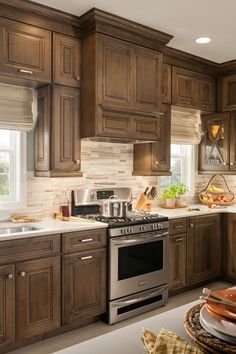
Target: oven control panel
(137, 229)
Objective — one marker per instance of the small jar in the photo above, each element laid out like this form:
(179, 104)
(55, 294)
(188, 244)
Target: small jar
(65, 208)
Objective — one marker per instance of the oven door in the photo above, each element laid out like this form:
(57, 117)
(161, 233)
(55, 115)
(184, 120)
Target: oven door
(137, 262)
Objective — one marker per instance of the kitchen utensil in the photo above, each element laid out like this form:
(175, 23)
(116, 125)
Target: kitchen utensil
(220, 308)
(146, 191)
(218, 296)
(114, 207)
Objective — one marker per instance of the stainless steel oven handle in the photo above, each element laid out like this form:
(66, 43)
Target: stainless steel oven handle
(141, 298)
(142, 239)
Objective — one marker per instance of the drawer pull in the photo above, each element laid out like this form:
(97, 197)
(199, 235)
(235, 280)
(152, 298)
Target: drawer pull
(23, 71)
(156, 163)
(78, 78)
(179, 226)
(179, 239)
(86, 240)
(86, 257)
(77, 162)
(22, 274)
(9, 276)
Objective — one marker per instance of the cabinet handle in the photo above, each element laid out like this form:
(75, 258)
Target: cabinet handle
(179, 239)
(22, 274)
(9, 276)
(23, 71)
(231, 163)
(224, 163)
(78, 78)
(179, 226)
(185, 102)
(156, 163)
(86, 257)
(204, 105)
(191, 225)
(86, 240)
(77, 162)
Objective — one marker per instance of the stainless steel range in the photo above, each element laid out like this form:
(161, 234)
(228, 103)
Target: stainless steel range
(137, 254)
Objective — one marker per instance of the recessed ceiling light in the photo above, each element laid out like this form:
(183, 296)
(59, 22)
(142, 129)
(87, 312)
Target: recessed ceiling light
(203, 40)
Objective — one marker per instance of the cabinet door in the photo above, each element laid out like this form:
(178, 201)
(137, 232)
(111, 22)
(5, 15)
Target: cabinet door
(146, 79)
(231, 247)
(146, 128)
(66, 60)
(214, 146)
(25, 51)
(183, 84)
(7, 305)
(205, 93)
(65, 129)
(228, 102)
(203, 248)
(112, 124)
(114, 71)
(232, 141)
(177, 262)
(38, 296)
(84, 285)
(166, 83)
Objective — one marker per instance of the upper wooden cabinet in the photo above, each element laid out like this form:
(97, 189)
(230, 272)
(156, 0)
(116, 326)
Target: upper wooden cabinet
(194, 90)
(228, 93)
(120, 89)
(217, 150)
(25, 51)
(57, 133)
(153, 159)
(166, 83)
(203, 248)
(66, 60)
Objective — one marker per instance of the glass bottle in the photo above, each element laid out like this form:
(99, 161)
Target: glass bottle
(65, 209)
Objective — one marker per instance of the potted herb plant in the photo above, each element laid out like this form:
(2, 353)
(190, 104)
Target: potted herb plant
(170, 197)
(179, 189)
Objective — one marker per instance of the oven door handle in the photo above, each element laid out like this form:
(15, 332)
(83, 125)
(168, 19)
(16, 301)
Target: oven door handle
(148, 238)
(140, 298)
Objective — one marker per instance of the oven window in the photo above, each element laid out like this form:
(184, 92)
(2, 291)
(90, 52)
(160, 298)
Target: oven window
(140, 259)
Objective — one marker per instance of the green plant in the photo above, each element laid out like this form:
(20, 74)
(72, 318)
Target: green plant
(168, 194)
(179, 189)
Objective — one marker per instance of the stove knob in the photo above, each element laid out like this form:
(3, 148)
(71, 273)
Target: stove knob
(122, 231)
(143, 228)
(153, 227)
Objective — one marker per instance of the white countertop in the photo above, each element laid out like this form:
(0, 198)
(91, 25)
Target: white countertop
(49, 227)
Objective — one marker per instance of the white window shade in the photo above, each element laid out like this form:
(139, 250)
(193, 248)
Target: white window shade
(17, 108)
(185, 125)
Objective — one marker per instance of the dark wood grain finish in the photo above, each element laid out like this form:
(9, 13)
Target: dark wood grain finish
(26, 51)
(66, 60)
(230, 254)
(166, 83)
(42, 130)
(7, 304)
(154, 158)
(203, 248)
(232, 142)
(29, 248)
(115, 125)
(228, 98)
(38, 296)
(84, 240)
(84, 285)
(177, 262)
(205, 93)
(178, 226)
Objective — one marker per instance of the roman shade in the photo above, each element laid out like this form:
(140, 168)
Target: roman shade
(17, 107)
(185, 125)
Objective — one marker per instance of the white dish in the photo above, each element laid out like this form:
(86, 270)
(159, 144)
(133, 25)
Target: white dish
(213, 332)
(218, 323)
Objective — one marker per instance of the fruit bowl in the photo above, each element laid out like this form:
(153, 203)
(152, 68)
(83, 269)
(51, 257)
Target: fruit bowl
(216, 192)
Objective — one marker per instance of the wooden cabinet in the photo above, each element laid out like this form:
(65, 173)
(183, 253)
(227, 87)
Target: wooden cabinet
(121, 92)
(66, 60)
(84, 275)
(38, 296)
(7, 304)
(230, 245)
(57, 133)
(228, 93)
(153, 159)
(166, 83)
(193, 90)
(25, 51)
(203, 248)
(177, 255)
(217, 150)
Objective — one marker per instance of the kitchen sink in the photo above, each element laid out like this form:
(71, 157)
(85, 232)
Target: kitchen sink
(16, 229)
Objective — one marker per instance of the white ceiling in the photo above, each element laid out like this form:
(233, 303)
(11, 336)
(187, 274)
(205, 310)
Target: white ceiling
(184, 19)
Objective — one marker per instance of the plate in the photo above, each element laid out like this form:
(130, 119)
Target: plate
(224, 310)
(213, 332)
(218, 323)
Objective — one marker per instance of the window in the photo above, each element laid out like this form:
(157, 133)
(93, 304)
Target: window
(12, 168)
(182, 166)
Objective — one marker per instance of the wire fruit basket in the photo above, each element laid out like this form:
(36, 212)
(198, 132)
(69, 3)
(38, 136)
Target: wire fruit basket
(217, 192)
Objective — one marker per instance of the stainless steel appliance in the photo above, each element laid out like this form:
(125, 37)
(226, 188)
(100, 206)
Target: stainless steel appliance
(137, 256)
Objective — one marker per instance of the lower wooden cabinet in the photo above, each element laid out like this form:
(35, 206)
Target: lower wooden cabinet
(177, 262)
(203, 248)
(7, 304)
(230, 254)
(84, 285)
(38, 296)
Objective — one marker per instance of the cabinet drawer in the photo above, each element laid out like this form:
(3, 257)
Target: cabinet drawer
(83, 240)
(147, 128)
(177, 226)
(29, 248)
